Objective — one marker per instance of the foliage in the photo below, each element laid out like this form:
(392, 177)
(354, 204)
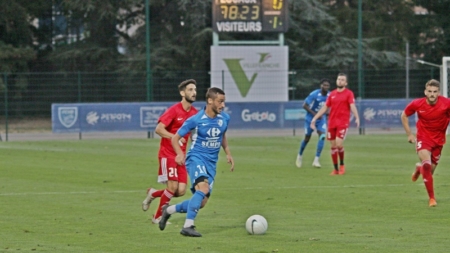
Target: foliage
(322, 34)
(16, 35)
(180, 37)
(432, 32)
(102, 20)
(15, 59)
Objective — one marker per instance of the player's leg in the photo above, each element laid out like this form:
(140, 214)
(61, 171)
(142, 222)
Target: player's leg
(424, 150)
(154, 193)
(203, 185)
(429, 159)
(303, 143)
(415, 175)
(321, 129)
(171, 171)
(331, 136)
(201, 190)
(340, 137)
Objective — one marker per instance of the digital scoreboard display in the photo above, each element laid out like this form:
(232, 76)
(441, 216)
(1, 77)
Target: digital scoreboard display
(250, 16)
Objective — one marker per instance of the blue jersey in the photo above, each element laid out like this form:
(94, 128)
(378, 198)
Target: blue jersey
(207, 140)
(315, 101)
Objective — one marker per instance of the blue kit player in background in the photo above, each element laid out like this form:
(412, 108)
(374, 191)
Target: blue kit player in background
(210, 125)
(312, 105)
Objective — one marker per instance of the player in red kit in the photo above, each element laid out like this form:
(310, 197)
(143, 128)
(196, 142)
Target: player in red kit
(340, 101)
(432, 113)
(170, 173)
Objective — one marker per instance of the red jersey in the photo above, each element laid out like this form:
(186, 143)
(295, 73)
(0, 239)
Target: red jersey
(432, 119)
(173, 118)
(339, 104)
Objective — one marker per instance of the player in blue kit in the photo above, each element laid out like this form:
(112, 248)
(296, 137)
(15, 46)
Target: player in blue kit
(210, 125)
(312, 105)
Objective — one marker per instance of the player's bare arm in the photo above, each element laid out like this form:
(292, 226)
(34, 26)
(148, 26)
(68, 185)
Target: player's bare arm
(308, 109)
(180, 158)
(162, 131)
(355, 113)
(227, 151)
(318, 115)
(405, 123)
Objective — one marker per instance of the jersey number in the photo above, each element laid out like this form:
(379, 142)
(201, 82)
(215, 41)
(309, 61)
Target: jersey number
(200, 168)
(419, 145)
(173, 172)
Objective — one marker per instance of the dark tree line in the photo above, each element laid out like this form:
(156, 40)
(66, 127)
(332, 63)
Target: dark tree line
(322, 35)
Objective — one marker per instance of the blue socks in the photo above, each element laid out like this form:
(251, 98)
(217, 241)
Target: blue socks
(320, 145)
(302, 147)
(194, 205)
(182, 207)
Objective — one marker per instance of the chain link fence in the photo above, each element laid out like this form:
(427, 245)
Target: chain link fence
(26, 98)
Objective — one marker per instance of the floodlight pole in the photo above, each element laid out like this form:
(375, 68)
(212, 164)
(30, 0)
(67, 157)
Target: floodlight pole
(147, 51)
(360, 88)
(360, 81)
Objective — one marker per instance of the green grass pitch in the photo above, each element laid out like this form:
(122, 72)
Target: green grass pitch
(85, 196)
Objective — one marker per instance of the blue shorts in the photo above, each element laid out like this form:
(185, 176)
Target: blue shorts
(198, 168)
(321, 125)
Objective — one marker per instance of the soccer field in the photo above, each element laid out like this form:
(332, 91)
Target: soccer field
(85, 196)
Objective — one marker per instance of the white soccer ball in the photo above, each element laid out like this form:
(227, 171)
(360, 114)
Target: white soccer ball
(256, 225)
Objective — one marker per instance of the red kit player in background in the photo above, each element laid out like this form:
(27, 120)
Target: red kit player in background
(433, 117)
(170, 173)
(340, 101)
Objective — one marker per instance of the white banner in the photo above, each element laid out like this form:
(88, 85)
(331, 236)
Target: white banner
(251, 73)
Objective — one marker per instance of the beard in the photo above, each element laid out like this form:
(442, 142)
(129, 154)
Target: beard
(189, 100)
(216, 111)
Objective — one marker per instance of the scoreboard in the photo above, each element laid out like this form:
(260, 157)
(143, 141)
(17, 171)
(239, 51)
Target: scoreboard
(250, 16)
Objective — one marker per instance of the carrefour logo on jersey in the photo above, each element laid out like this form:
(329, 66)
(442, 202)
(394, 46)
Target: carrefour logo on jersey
(213, 140)
(249, 116)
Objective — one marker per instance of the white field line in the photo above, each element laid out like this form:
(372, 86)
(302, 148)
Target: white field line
(229, 189)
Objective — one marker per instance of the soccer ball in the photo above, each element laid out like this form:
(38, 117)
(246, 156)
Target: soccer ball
(256, 225)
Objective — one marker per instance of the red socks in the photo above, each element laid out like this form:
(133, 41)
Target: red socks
(335, 152)
(427, 176)
(341, 155)
(165, 199)
(158, 193)
(334, 156)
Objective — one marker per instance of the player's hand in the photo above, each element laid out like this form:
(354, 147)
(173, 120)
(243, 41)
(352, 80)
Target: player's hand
(411, 138)
(357, 123)
(180, 159)
(230, 161)
(313, 125)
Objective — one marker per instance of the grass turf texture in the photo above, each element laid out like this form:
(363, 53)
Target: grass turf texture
(85, 196)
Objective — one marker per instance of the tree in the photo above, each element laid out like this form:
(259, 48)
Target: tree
(181, 35)
(17, 37)
(432, 33)
(102, 20)
(17, 34)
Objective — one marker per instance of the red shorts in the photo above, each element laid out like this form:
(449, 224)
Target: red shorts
(170, 170)
(336, 132)
(434, 149)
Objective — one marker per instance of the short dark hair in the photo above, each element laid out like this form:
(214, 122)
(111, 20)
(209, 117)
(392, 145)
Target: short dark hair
(343, 74)
(323, 80)
(213, 91)
(182, 85)
(434, 83)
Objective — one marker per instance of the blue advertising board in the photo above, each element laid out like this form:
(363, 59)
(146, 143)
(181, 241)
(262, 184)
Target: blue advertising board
(96, 117)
